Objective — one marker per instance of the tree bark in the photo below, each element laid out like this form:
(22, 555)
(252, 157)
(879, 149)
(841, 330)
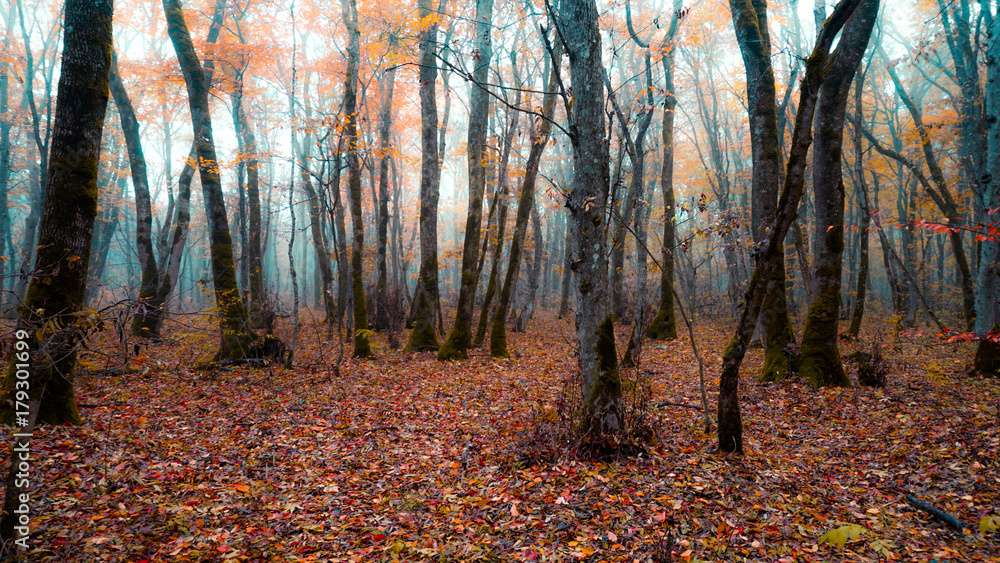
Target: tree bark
(51, 316)
(588, 200)
(385, 128)
(422, 336)
(236, 334)
(459, 338)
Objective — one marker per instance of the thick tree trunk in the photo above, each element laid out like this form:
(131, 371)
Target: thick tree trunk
(755, 45)
(459, 339)
(820, 362)
(51, 317)
(236, 334)
(588, 200)
(422, 336)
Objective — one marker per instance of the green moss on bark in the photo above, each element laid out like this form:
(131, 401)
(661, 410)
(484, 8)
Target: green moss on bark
(820, 362)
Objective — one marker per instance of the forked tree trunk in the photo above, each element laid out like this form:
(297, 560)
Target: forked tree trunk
(746, 18)
(820, 361)
(236, 337)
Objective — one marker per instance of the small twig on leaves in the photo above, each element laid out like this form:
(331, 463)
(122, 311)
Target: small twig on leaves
(684, 405)
(941, 515)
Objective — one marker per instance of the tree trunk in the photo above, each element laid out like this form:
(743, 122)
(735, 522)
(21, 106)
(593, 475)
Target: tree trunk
(770, 254)
(588, 200)
(254, 263)
(663, 326)
(236, 334)
(422, 336)
(52, 322)
(142, 323)
(820, 362)
(526, 202)
(861, 190)
(987, 359)
(385, 128)
(459, 339)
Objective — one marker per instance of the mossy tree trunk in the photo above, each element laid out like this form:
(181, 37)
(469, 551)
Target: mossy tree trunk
(362, 347)
(588, 201)
(663, 326)
(253, 255)
(459, 339)
(6, 243)
(526, 202)
(748, 28)
(237, 336)
(422, 336)
(820, 361)
(142, 323)
(755, 46)
(51, 316)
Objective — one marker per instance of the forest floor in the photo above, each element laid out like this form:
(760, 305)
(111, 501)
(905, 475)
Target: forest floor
(406, 458)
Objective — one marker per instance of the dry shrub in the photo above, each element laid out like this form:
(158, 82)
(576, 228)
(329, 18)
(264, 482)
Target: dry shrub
(558, 432)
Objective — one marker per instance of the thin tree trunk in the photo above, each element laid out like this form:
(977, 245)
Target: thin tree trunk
(539, 140)
(459, 339)
(422, 336)
(663, 326)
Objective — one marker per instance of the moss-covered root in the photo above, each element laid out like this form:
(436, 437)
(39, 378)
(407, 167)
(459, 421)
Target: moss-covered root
(362, 345)
(778, 356)
(498, 338)
(820, 363)
(663, 326)
(422, 338)
(987, 361)
(451, 350)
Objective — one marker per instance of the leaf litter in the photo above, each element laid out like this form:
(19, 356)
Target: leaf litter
(409, 459)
